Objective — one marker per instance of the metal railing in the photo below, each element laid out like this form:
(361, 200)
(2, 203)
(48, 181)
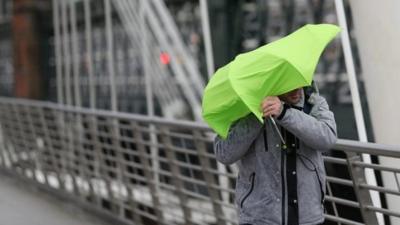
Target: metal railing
(104, 158)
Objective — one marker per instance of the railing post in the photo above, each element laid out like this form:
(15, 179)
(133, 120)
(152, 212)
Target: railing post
(17, 151)
(99, 170)
(70, 148)
(210, 178)
(3, 147)
(33, 131)
(8, 134)
(106, 155)
(115, 140)
(60, 140)
(363, 195)
(144, 159)
(50, 145)
(175, 171)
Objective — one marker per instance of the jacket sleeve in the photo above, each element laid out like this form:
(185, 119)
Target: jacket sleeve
(317, 130)
(239, 139)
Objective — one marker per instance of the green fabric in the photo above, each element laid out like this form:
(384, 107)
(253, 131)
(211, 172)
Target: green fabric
(238, 88)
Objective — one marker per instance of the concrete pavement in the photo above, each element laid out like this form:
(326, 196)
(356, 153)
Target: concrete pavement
(21, 205)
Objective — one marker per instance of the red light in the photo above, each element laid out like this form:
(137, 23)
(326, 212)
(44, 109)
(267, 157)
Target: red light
(165, 58)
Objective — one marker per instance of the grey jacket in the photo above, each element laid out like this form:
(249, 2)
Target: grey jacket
(260, 188)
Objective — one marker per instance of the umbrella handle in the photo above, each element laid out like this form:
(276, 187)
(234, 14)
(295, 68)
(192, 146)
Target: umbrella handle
(277, 130)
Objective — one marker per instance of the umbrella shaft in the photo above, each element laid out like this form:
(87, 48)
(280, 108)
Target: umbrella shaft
(277, 130)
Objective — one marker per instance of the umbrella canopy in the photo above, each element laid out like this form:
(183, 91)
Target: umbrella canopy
(271, 70)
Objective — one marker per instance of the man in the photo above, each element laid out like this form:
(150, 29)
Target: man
(281, 183)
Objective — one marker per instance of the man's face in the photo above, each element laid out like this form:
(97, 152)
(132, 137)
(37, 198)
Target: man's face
(291, 97)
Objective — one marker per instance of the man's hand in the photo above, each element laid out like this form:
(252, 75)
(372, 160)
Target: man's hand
(271, 106)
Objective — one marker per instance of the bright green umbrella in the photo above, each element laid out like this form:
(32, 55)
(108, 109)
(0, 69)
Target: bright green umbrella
(273, 69)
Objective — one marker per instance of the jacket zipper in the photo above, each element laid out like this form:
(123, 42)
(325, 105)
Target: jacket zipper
(251, 189)
(265, 139)
(283, 175)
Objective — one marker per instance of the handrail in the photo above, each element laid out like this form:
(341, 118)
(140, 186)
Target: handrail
(80, 152)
